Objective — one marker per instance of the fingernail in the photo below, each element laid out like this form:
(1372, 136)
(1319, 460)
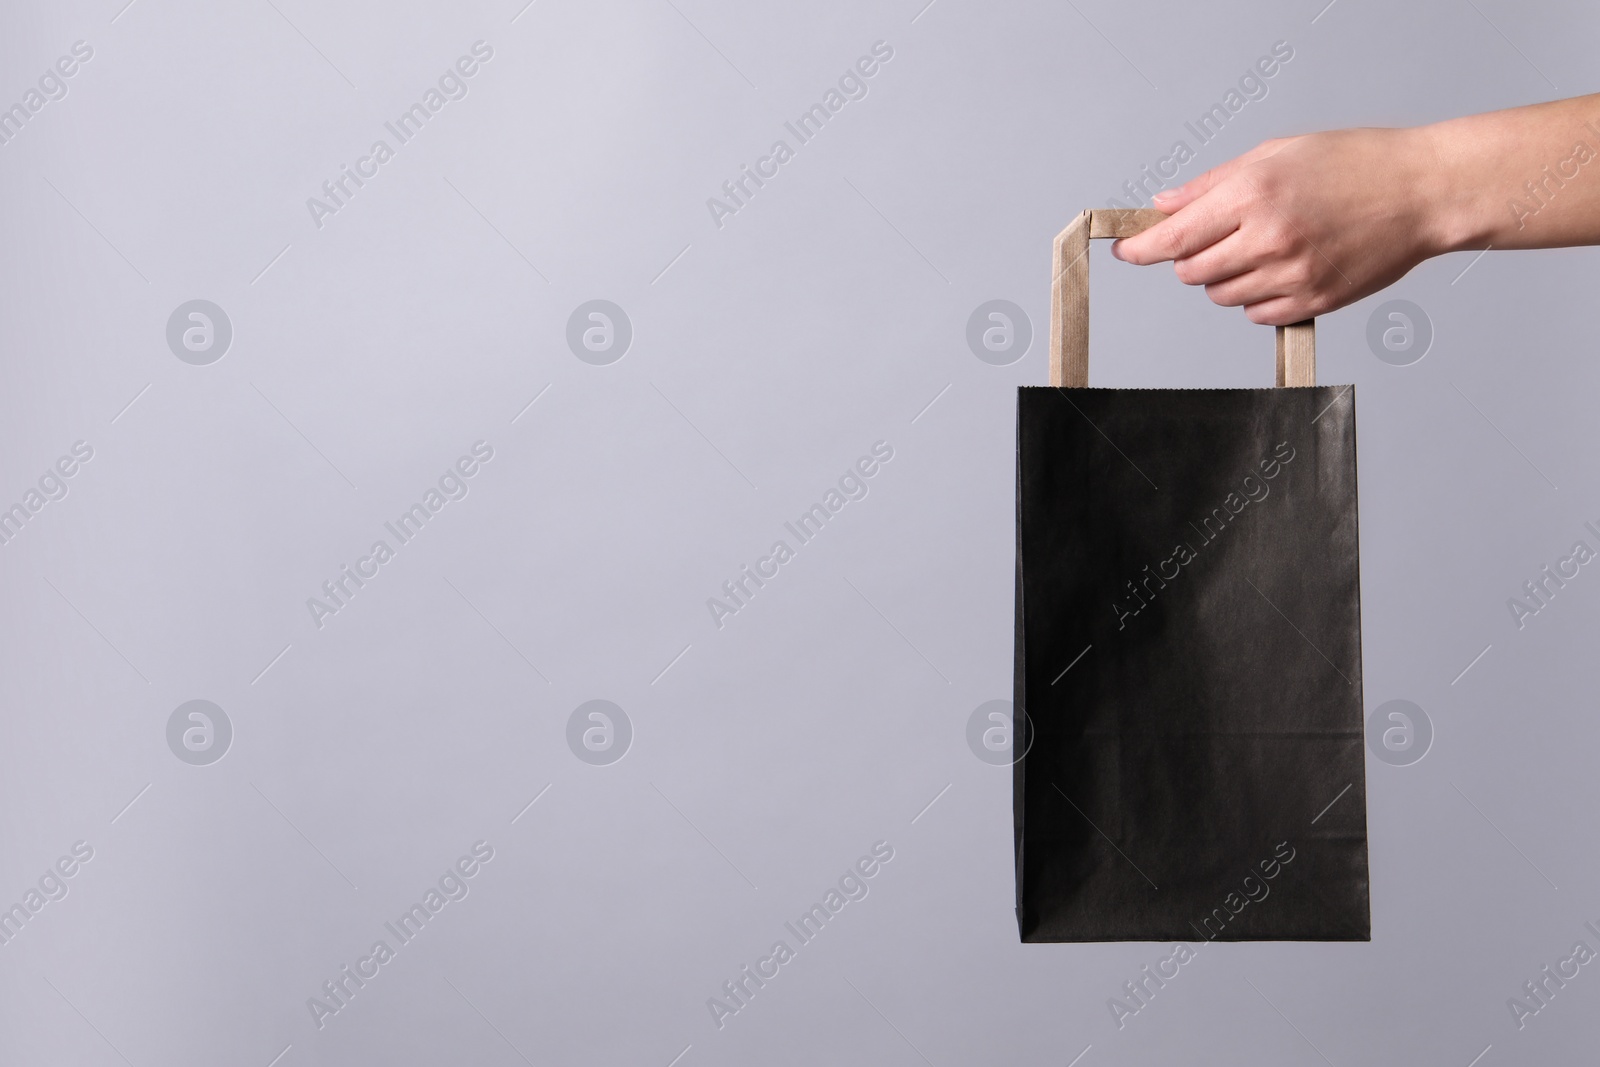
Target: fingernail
(1116, 249)
(1164, 195)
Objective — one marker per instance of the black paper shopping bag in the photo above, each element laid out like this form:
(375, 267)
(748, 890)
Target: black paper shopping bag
(1188, 649)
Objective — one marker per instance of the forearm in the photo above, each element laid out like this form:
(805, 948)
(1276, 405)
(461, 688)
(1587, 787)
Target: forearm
(1526, 177)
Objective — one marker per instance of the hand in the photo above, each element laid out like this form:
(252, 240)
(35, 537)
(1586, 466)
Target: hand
(1300, 226)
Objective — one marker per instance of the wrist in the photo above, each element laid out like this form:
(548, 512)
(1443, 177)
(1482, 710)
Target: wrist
(1451, 214)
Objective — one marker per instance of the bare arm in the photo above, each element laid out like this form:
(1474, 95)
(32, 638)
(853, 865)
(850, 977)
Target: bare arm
(1300, 226)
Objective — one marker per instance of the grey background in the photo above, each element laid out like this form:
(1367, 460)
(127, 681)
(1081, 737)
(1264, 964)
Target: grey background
(767, 356)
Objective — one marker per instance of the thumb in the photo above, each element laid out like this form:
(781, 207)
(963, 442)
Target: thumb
(1170, 200)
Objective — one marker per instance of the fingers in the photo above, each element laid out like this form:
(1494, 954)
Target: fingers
(1228, 257)
(1242, 290)
(1171, 200)
(1224, 234)
(1264, 300)
(1199, 226)
(1277, 311)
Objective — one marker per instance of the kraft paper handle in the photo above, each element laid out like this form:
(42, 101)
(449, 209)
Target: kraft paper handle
(1069, 302)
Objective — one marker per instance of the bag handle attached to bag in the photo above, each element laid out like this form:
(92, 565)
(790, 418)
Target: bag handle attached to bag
(1069, 302)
